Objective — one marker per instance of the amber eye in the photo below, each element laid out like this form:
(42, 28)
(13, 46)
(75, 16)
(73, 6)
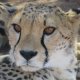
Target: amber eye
(49, 30)
(16, 27)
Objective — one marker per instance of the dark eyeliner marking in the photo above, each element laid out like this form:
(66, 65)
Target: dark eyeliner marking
(16, 45)
(46, 51)
(18, 40)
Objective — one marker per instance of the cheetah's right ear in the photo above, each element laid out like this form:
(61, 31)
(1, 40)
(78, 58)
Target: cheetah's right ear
(14, 8)
(20, 6)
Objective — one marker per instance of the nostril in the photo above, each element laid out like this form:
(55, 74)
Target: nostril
(32, 54)
(28, 54)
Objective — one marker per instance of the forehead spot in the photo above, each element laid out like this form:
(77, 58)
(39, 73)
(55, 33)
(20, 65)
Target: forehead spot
(10, 73)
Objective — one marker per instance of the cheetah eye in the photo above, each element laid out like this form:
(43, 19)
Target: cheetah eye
(16, 27)
(49, 30)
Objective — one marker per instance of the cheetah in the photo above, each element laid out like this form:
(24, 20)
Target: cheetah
(42, 38)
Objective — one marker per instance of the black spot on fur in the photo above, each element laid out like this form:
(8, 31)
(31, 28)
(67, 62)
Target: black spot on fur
(15, 75)
(21, 72)
(10, 73)
(19, 79)
(12, 70)
(45, 76)
(25, 77)
(9, 65)
(3, 65)
(10, 79)
(5, 70)
(17, 70)
(38, 73)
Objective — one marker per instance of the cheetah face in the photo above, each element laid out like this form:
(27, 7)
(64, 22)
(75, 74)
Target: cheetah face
(40, 38)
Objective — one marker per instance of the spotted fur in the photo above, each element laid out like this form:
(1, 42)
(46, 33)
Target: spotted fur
(8, 72)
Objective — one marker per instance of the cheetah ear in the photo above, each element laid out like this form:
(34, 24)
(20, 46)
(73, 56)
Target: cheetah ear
(10, 8)
(68, 20)
(15, 7)
(20, 6)
(73, 15)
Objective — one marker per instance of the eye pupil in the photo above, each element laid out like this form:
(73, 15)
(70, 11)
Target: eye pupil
(17, 28)
(49, 30)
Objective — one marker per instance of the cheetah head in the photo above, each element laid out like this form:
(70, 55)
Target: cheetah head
(41, 36)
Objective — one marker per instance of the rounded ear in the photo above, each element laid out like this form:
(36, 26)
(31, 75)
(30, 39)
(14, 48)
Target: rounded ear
(10, 8)
(20, 6)
(73, 15)
(15, 7)
(68, 22)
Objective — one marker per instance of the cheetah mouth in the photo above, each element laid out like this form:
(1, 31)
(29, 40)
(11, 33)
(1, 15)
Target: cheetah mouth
(29, 68)
(29, 65)
(25, 65)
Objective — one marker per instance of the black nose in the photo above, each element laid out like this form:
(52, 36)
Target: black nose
(28, 54)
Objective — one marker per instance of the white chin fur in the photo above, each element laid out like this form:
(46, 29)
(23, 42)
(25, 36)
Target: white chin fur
(29, 69)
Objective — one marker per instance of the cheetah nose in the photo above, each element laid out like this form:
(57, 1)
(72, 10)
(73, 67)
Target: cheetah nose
(28, 54)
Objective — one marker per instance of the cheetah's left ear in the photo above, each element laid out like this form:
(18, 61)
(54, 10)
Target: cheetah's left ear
(73, 15)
